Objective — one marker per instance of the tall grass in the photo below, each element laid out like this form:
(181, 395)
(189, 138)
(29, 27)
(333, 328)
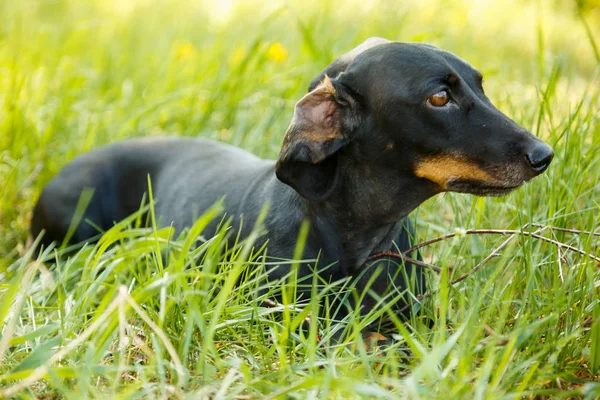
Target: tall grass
(122, 319)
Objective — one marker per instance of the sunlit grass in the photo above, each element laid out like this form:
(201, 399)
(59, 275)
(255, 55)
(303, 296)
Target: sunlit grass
(121, 319)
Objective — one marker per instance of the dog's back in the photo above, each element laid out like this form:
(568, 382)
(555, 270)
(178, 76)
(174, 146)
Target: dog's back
(188, 176)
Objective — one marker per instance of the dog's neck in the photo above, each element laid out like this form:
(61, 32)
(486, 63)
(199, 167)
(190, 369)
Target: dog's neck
(346, 241)
(362, 217)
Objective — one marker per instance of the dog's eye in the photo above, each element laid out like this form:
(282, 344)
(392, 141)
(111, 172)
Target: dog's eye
(439, 99)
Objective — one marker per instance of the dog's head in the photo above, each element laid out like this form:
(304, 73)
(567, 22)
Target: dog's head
(405, 115)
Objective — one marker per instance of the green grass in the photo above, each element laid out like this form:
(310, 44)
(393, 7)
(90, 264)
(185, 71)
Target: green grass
(116, 320)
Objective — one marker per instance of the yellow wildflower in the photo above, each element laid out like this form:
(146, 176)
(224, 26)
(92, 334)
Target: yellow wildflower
(277, 52)
(184, 50)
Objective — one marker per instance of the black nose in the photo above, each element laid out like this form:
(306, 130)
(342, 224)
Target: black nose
(540, 157)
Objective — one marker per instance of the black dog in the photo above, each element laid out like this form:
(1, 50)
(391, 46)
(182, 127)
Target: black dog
(382, 129)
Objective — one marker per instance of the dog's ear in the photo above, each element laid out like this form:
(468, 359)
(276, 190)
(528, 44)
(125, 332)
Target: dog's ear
(308, 160)
(340, 64)
(322, 124)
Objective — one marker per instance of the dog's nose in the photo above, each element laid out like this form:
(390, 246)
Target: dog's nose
(539, 157)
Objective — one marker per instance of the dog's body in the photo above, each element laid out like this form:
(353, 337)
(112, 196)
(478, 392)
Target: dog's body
(382, 129)
(188, 176)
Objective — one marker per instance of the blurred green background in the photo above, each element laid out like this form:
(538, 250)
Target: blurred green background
(77, 74)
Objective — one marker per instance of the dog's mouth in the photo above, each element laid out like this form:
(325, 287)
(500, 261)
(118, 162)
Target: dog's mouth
(479, 188)
(455, 173)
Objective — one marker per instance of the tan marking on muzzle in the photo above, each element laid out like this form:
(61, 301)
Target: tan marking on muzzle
(441, 169)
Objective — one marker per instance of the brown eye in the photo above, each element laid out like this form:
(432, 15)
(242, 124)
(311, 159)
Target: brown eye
(439, 99)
